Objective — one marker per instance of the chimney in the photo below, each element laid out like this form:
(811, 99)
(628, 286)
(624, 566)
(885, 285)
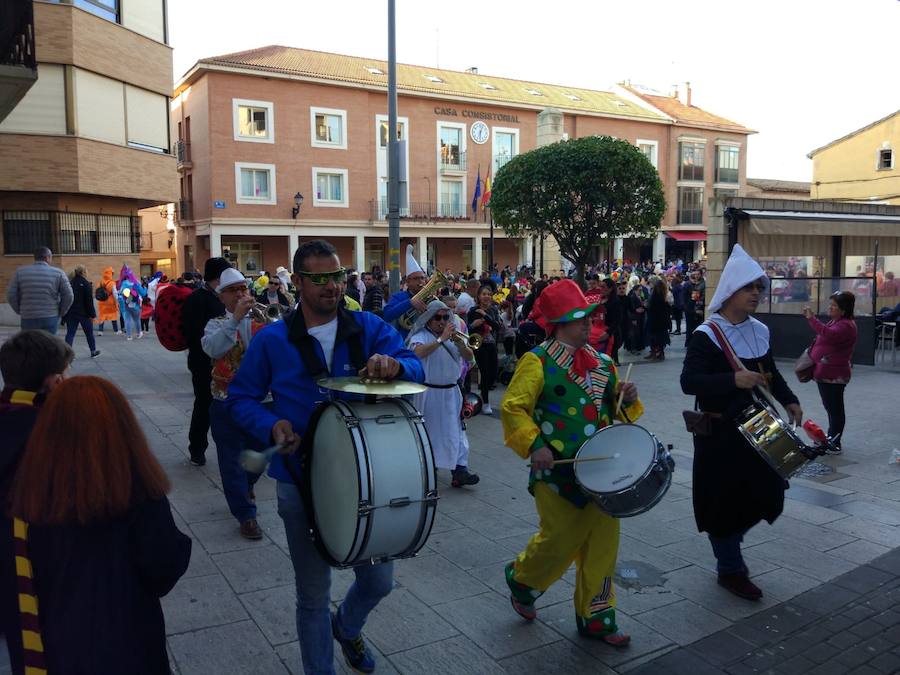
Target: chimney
(684, 95)
(472, 69)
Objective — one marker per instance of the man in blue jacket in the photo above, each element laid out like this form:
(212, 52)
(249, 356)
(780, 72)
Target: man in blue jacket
(404, 302)
(319, 339)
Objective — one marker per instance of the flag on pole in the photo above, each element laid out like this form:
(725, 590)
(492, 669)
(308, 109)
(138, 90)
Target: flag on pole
(486, 197)
(477, 192)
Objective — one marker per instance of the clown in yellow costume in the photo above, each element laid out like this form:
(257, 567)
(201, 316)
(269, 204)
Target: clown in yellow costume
(562, 393)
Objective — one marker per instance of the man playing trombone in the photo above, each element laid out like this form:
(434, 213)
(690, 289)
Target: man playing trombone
(444, 351)
(401, 309)
(562, 393)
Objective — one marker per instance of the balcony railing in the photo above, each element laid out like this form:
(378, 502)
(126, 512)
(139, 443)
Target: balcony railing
(18, 62)
(182, 152)
(451, 161)
(185, 210)
(444, 211)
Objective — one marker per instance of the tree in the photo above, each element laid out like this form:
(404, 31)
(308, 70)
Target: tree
(583, 192)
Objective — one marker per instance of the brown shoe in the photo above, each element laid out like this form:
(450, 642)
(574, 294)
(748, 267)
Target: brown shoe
(250, 529)
(741, 586)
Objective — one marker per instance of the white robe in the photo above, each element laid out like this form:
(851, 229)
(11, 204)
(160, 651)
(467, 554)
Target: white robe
(441, 407)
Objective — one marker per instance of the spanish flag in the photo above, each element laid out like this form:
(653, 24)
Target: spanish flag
(486, 197)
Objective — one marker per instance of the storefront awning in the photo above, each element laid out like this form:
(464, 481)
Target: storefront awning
(686, 235)
(798, 223)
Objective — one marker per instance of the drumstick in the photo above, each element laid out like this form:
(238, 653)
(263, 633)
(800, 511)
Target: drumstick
(575, 460)
(622, 391)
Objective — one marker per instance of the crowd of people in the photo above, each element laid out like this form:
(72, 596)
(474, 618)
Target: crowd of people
(83, 494)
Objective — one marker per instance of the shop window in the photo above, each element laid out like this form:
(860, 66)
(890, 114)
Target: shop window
(246, 256)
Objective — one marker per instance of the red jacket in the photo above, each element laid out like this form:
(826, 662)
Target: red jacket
(833, 348)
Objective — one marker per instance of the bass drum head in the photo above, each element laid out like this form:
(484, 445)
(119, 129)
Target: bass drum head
(335, 484)
(631, 449)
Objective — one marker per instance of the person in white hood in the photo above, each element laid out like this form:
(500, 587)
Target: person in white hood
(733, 486)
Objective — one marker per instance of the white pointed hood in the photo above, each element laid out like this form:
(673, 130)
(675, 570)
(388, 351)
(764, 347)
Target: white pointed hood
(739, 271)
(412, 265)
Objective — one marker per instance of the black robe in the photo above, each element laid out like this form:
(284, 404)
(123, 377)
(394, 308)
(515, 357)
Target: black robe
(734, 488)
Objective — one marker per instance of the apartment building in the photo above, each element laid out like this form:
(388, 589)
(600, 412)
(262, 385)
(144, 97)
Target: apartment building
(87, 144)
(277, 145)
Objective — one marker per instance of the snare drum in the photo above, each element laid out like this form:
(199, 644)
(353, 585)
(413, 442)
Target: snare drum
(370, 484)
(772, 438)
(636, 475)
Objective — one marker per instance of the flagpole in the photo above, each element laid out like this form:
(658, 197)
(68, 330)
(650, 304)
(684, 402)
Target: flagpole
(491, 244)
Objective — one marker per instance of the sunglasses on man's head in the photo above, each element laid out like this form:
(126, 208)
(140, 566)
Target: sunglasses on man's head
(338, 276)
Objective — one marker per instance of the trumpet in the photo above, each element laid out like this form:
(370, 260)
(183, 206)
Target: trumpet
(474, 341)
(260, 313)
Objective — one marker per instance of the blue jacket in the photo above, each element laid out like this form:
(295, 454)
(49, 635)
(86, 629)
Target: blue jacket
(397, 306)
(273, 363)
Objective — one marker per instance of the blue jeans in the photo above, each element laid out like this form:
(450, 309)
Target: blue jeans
(236, 482)
(115, 325)
(87, 325)
(132, 322)
(49, 324)
(728, 553)
(312, 576)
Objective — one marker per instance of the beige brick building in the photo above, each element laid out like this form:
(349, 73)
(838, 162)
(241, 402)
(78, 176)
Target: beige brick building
(254, 130)
(87, 145)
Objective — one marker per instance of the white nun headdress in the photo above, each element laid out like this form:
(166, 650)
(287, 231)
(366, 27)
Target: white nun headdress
(412, 265)
(739, 271)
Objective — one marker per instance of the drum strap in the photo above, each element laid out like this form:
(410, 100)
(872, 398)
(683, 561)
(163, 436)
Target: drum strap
(305, 343)
(727, 349)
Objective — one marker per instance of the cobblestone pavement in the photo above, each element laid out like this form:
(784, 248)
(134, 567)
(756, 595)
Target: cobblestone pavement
(828, 567)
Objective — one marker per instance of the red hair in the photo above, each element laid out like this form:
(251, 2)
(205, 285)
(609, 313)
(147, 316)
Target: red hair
(87, 459)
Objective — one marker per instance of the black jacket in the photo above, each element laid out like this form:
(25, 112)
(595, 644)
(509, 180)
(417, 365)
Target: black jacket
(83, 300)
(201, 306)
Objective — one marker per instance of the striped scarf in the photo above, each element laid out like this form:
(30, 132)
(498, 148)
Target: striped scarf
(33, 645)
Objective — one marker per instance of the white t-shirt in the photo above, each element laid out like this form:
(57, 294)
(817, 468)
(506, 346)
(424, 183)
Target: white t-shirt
(326, 334)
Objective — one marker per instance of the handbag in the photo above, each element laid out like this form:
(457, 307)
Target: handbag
(804, 366)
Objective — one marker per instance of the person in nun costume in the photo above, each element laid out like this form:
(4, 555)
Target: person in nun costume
(435, 340)
(733, 487)
(403, 302)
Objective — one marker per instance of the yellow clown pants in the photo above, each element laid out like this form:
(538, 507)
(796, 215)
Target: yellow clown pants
(588, 537)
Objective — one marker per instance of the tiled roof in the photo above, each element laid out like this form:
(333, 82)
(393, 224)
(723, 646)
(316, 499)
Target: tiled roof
(357, 70)
(686, 114)
(772, 184)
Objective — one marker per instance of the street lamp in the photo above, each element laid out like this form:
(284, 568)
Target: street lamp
(298, 202)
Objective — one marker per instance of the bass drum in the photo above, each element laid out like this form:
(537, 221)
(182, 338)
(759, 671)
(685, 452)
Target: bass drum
(633, 475)
(370, 483)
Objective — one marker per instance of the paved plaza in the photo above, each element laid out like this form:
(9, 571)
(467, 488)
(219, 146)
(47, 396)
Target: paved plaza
(829, 567)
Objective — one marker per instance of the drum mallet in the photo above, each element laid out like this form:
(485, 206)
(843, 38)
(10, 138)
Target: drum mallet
(621, 391)
(576, 460)
(256, 462)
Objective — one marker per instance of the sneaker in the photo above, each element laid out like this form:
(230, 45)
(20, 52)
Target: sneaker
(94, 353)
(250, 529)
(129, 338)
(118, 332)
(741, 586)
(355, 651)
(140, 335)
(463, 477)
(602, 626)
(197, 460)
(521, 596)
(487, 410)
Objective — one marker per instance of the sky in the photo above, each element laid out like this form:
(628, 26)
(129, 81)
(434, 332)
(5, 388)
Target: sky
(800, 72)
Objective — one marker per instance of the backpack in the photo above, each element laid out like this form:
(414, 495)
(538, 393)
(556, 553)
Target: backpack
(101, 293)
(169, 317)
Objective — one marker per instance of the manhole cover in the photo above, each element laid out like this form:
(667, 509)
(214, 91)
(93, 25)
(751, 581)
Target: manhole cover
(637, 575)
(813, 469)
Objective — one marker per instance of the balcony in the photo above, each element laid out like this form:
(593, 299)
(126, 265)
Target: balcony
(451, 160)
(18, 63)
(185, 210)
(182, 152)
(429, 212)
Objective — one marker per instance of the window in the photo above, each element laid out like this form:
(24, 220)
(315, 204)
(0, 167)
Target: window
(383, 132)
(246, 256)
(77, 233)
(690, 166)
(885, 159)
(375, 71)
(107, 9)
(254, 121)
(70, 233)
(650, 150)
(99, 107)
(487, 85)
(534, 92)
(572, 97)
(329, 128)
(506, 146)
(690, 206)
(451, 152)
(433, 78)
(727, 163)
(330, 187)
(254, 183)
(43, 109)
(147, 118)
(24, 231)
(451, 204)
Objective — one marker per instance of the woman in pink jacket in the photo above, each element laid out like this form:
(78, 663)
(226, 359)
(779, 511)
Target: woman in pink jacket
(831, 353)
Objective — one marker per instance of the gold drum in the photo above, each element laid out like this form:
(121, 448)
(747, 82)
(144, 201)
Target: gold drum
(773, 439)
